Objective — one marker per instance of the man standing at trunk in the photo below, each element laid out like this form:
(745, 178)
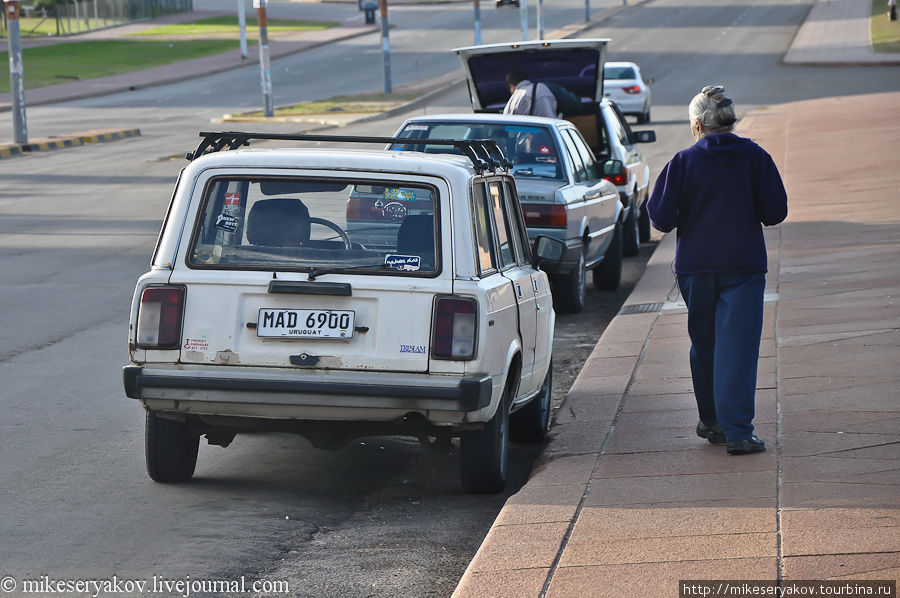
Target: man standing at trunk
(529, 98)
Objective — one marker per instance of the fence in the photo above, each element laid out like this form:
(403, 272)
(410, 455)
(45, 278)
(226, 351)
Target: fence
(66, 17)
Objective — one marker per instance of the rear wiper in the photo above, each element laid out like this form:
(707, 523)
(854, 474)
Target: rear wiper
(316, 272)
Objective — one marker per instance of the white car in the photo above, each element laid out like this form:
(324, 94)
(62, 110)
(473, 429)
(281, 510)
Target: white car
(624, 84)
(573, 64)
(262, 311)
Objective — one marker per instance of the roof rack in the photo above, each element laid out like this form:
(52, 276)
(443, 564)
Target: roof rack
(485, 154)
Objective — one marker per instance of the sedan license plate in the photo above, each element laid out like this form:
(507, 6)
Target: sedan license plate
(305, 323)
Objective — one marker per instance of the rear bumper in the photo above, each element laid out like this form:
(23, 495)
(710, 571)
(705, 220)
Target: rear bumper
(241, 386)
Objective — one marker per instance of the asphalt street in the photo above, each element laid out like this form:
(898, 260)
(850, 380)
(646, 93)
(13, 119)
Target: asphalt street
(383, 518)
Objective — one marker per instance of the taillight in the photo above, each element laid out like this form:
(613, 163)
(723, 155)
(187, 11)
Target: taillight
(544, 215)
(159, 318)
(619, 179)
(632, 89)
(453, 328)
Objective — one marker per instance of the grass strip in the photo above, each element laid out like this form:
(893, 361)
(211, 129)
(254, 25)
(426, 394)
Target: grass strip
(351, 104)
(885, 33)
(59, 63)
(224, 25)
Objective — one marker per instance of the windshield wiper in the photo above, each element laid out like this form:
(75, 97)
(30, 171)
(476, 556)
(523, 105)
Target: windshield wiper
(316, 272)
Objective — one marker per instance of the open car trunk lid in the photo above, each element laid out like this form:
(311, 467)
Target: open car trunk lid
(576, 65)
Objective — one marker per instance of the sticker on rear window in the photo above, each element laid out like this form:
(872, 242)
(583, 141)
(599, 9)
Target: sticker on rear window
(226, 223)
(544, 149)
(416, 128)
(409, 263)
(514, 129)
(232, 199)
(545, 159)
(399, 195)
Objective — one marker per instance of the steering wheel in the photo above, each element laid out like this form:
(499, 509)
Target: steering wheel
(341, 233)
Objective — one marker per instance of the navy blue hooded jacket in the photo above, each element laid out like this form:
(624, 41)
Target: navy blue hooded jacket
(717, 193)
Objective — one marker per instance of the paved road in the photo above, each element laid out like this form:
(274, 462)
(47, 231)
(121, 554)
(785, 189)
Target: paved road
(382, 519)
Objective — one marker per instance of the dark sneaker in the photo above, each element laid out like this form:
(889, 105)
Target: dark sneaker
(745, 446)
(713, 434)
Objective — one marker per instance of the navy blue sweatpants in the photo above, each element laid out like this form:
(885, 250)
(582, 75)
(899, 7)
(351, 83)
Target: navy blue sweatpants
(725, 314)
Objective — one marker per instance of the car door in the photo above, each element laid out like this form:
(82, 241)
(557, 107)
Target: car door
(632, 156)
(540, 284)
(599, 208)
(511, 256)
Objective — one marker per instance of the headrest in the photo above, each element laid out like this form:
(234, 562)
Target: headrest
(279, 222)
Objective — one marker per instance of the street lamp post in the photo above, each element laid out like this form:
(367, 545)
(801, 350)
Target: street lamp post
(385, 46)
(265, 68)
(540, 19)
(523, 17)
(242, 25)
(477, 23)
(16, 72)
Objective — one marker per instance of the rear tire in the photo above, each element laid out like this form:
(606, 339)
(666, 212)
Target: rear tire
(608, 274)
(631, 242)
(484, 454)
(644, 225)
(644, 117)
(531, 423)
(570, 288)
(170, 450)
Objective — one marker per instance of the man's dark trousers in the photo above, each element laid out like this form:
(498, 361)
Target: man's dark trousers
(725, 314)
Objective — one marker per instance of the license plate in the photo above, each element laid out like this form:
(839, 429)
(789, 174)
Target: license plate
(305, 323)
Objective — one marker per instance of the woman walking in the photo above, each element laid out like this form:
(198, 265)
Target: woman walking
(718, 193)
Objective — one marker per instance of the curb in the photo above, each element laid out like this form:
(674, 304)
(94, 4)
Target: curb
(9, 150)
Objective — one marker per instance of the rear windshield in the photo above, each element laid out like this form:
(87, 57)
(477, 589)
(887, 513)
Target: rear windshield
(305, 224)
(532, 149)
(618, 72)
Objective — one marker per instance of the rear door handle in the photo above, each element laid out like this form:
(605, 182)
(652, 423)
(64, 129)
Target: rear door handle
(592, 194)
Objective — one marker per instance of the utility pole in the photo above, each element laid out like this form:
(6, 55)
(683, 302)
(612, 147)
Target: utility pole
(477, 23)
(587, 10)
(16, 72)
(523, 17)
(385, 46)
(242, 25)
(265, 69)
(540, 19)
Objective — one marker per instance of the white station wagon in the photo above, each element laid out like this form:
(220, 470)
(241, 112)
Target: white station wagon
(264, 311)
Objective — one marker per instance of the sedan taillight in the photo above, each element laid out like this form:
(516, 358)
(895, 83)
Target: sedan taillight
(545, 215)
(453, 328)
(619, 179)
(632, 89)
(159, 318)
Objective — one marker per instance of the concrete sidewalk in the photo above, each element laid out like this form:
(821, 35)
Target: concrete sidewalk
(837, 33)
(628, 501)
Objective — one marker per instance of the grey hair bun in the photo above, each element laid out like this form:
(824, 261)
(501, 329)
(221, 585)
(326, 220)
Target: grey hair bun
(713, 109)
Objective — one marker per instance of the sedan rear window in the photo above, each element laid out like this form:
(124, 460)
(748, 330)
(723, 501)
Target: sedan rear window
(306, 224)
(531, 148)
(619, 72)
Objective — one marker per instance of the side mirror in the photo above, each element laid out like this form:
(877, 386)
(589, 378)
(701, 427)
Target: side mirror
(644, 136)
(612, 168)
(547, 250)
